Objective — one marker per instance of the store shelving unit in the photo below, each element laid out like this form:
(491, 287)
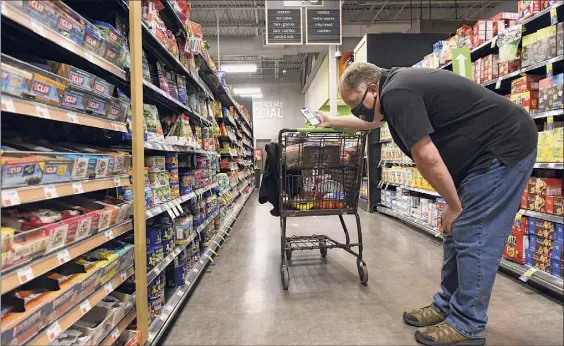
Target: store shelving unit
(501, 85)
(130, 80)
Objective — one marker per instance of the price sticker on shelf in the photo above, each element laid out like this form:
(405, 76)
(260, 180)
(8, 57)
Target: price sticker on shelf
(50, 192)
(549, 72)
(85, 307)
(53, 331)
(115, 334)
(494, 42)
(77, 188)
(109, 235)
(88, 56)
(171, 214)
(498, 84)
(116, 127)
(10, 198)
(73, 118)
(180, 293)
(63, 256)
(163, 317)
(527, 275)
(108, 288)
(168, 309)
(25, 275)
(37, 28)
(42, 112)
(195, 270)
(7, 102)
(553, 16)
(117, 182)
(123, 276)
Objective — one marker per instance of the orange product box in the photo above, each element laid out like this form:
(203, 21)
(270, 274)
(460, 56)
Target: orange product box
(491, 67)
(524, 198)
(527, 9)
(515, 247)
(483, 31)
(525, 83)
(555, 205)
(529, 100)
(544, 187)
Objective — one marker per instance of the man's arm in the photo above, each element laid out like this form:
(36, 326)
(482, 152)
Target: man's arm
(431, 166)
(346, 122)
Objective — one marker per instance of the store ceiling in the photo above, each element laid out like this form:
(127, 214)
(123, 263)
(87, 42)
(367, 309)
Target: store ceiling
(246, 19)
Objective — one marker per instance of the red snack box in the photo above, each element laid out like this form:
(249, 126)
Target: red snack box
(524, 198)
(441, 205)
(555, 205)
(515, 247)
(528, 8)
(491, 67)
(483, 31)
(529, 100)
(544, 187)
(525, 83)
(480, 71)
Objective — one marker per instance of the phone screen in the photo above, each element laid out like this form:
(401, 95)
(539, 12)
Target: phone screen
(308, 114)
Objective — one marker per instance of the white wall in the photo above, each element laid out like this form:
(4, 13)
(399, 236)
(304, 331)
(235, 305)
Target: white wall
(278, 108)
(318, 91)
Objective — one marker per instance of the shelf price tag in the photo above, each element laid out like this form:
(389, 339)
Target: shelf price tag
(527, 275)
(37, 28)
(10, 198)
(73, 118)
(498, 84)
(180, 293)
(77, 188)
(494, 42)
(109, 235)
(116, 127)
(42, 112)
(108, 288)
(63, 256)
(171, 214)
(50, 192)
(549, 70)
(553, 16)
(53, 331)
(25, 275)
(85, 306)
(123, 276)
(7, 101)
(115, 334)
(117, 182)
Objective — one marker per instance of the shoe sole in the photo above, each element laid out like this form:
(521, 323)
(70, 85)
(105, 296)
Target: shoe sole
(417, 324)
(469, 342)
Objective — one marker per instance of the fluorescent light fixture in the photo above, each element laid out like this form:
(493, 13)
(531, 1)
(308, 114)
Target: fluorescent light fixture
(246, 91)
(255, 96)
(239, 68)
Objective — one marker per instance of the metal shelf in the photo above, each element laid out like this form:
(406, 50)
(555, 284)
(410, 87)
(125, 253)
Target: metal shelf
(54, 37)
(550, 165)
(427, 192)
(554, 113)
(548, 217)
(29, 194)
(413, 222)
(14, 278)
(39, 110)
(112, 336)
(55, 329)
(177, 148)
(175, 203)
(174, 304)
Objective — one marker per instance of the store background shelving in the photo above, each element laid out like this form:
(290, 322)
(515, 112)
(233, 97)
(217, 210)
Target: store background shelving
(127, 136)
(402, 176)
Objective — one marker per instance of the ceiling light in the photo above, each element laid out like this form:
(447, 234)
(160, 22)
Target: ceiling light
(246, 91)
(255, 96)
(239, 68)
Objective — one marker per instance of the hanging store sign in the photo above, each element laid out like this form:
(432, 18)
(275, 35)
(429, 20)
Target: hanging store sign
(283, 23)
(324, 25)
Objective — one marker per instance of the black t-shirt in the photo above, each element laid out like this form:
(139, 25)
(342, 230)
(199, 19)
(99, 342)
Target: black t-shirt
(469, 124)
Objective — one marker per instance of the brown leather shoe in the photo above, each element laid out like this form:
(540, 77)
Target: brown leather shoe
(443, 334)
(423, 317)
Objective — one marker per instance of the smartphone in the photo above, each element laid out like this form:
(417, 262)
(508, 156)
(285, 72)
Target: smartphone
(310, 116)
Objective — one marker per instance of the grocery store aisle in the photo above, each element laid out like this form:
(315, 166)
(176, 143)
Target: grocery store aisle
(241, 300)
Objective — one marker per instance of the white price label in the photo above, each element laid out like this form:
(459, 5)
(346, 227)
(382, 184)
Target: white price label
(180, 293)
(115, 334)
(88, 56)
(42, 112)
(194, 270)
(116, 127)
(527, 275)
(7, 102)
(73, 118)
(201, 261)
(25, 275)
(109, 235)
(85, 306)
(10, 198)
(37, 28)
(53, 331)
(50, 192)
(63, 256)
(168, 309)
(77, 188)
(171, 214)
(123, 276)
(117, 182)
(163, 317)
(108, 288)
(4, 7)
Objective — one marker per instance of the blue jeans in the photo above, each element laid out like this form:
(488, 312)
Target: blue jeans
(472, 253)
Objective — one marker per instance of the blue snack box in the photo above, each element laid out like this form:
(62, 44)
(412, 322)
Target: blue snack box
(154, 235)
(102, 87)
(73, 100)
(56, 170)
(43, 11)
(70, 28)
(556, 268)
(15, 80)
(175, 275)
(93, 39)
(96, 106)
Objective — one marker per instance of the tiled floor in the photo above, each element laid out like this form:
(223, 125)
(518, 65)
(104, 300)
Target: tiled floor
(241, 300)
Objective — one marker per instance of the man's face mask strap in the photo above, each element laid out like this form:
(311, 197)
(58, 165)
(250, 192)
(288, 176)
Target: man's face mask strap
(362, 112)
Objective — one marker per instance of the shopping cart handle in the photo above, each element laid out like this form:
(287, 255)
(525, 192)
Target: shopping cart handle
(325, 130)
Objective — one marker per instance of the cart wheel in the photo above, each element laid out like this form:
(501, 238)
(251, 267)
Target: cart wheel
(289, 255)
(285, 276)
(323, 248)
(362, 272)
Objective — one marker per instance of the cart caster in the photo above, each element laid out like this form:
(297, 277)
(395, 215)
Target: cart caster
(289, 255)
(362, 272)
(285, 276)
(323, 248)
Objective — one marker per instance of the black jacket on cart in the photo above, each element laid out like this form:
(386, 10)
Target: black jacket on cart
(270, 185)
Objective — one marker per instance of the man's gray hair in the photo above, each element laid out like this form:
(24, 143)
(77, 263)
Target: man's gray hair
(359, 75)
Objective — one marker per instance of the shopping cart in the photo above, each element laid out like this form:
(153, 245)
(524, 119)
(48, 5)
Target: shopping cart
(320, 175)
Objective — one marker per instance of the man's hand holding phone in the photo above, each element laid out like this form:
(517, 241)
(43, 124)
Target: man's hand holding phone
(324, 119)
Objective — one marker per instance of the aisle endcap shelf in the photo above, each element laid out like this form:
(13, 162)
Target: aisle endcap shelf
(15, 277)
(29, 194)
(47, 33)
(39, 110)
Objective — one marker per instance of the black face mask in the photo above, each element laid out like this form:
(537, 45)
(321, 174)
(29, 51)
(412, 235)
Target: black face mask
(363, 113)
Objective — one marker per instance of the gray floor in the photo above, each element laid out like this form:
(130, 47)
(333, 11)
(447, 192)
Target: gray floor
(241, 300)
